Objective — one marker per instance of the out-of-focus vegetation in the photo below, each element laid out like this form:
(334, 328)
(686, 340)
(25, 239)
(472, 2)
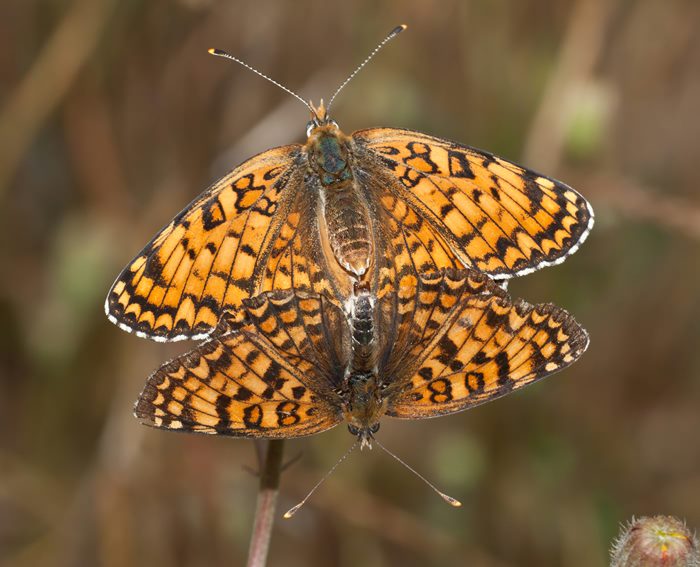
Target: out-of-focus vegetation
(113, 116)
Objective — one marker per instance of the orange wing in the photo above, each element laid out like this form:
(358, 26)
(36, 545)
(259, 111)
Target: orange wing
(496, 216)
(460, 341)
(411, 245)
(410, 317)
(273, 376)
(250, 232)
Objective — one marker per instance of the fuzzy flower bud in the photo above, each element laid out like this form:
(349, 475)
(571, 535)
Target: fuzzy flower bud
(662, 541)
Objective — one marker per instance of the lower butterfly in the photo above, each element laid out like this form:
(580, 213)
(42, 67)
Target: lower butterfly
(294, 363)
(374, 208)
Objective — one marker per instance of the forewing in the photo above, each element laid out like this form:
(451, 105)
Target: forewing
(498, 217)
(268, 378)
(206, 259)
(487, 347)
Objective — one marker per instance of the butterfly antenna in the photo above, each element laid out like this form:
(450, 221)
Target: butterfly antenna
(451, 501)
(220, 53)
(396, 31)
(293, 510)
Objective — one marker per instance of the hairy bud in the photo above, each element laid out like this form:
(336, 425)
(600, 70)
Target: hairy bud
(662, 541)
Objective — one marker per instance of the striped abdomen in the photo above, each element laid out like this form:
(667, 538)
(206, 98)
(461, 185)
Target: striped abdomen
(364, 339)
(348, 224)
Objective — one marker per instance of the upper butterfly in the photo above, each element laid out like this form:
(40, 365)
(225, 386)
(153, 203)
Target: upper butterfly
(371, 209)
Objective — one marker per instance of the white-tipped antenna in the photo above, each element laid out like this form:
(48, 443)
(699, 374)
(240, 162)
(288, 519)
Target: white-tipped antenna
(220, 53)
(451, 501)
(396, 31)
(293, 510)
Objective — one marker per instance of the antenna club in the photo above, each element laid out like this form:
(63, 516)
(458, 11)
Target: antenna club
(221, 53)
(289, 513)
(452, 501)
(397, 30)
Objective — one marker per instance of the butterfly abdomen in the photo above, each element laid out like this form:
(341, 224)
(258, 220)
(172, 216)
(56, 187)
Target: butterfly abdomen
(362, 319)
(348, 224)
(364, 339)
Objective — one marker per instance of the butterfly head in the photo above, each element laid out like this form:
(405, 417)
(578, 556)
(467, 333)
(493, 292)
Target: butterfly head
(363, 406)
(320, 119)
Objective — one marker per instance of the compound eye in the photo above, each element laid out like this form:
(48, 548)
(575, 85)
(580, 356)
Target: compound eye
(310, 126)
(353, 430)
(333, 123)
(374, 428)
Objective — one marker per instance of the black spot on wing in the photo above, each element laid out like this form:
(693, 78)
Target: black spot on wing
(503, 365)
(213, 214)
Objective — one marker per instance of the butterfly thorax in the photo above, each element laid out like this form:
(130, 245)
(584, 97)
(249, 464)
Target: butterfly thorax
(345, 211)
(329, 155)
(363, 405)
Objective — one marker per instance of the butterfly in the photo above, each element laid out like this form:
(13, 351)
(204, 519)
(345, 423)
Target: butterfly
(370, 209)
(293, 363)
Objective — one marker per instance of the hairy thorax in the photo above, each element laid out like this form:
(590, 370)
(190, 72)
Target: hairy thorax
(364, 405)
(345, 213)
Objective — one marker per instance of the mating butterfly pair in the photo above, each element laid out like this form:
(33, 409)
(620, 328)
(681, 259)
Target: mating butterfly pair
(351, 277)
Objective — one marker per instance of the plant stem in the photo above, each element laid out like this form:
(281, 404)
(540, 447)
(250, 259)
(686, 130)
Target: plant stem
(266, 505)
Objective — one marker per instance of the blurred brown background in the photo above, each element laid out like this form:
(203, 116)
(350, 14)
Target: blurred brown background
(112, 117)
